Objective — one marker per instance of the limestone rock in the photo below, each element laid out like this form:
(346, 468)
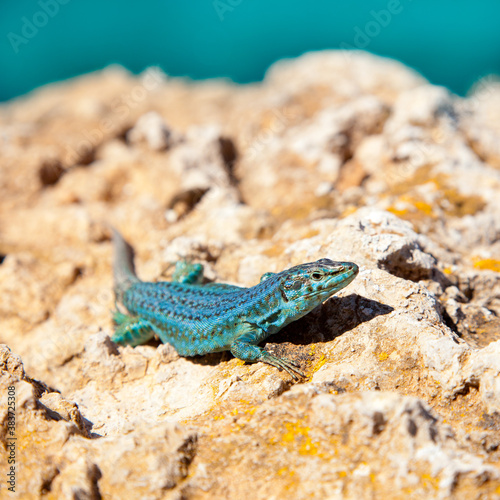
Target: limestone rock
(340, 446)
(151, 129)
(335, 154)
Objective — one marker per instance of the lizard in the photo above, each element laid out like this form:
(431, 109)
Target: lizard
(198, 318)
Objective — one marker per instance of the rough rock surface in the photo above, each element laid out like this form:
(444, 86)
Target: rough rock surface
(339, 155)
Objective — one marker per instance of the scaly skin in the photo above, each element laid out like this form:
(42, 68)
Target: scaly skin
(199, 319)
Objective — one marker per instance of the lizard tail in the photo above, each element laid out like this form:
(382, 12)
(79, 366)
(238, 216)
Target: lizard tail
(123, 265)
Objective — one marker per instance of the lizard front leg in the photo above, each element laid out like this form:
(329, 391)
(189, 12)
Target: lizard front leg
(188, 273)
(244, 347)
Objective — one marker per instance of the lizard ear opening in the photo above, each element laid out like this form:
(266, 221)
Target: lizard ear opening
(292, 284)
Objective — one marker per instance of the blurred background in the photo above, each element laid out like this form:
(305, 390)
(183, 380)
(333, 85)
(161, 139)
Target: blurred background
(450, 42)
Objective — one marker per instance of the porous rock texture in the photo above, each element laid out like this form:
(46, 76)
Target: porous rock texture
(341, 155)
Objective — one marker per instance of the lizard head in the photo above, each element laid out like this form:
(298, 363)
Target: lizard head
(304, 287)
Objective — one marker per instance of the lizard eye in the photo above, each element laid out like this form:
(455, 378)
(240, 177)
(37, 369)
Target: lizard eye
(316, 276)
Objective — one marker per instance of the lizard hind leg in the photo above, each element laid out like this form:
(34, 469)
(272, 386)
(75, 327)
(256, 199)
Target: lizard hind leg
(131, 330)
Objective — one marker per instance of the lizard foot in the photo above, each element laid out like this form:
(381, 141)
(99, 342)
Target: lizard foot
(283, 364)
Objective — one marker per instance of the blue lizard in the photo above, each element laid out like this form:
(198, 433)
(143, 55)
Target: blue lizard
(200, 319)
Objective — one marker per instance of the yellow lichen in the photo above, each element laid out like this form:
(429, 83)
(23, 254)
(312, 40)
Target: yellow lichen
(430, 481)
(310, 233)
(455, 203)
(421, 176)
(322, 360)
(424, 207)
(488, 264)
(308, 447)
(298, 434)
(294, 429)
(447, 198)
(397, 211)
(348, 211)
(416, 208)
(383, 356)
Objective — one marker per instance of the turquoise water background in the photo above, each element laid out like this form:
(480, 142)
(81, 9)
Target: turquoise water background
(451, 42)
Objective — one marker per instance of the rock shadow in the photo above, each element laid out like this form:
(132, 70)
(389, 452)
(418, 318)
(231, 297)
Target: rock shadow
(331, 319)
